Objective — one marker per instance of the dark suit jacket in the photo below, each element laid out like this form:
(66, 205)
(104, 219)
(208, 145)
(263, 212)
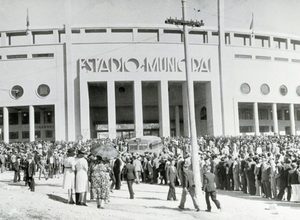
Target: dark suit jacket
(209, 182)
(30, 169)
(129, 172)
(293, 177)
(172, 173)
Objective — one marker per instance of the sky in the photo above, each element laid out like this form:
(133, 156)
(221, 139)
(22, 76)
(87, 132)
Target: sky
(279, 16)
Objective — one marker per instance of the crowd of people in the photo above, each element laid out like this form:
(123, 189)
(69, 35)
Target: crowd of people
(267, 166)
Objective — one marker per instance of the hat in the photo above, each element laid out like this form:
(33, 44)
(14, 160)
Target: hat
(81, 152)
(71, 152)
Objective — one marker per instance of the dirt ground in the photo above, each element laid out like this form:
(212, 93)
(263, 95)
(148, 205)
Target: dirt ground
(49, 202)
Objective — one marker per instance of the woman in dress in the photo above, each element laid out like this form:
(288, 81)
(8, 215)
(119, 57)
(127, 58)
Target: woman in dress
(81, 185)
(69, 174)
(100, 181)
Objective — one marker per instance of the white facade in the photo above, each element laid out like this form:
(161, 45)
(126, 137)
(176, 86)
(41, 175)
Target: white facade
(105, 79)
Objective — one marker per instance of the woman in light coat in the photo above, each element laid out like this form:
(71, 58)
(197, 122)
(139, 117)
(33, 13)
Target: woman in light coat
(69, 174)
(81, 185)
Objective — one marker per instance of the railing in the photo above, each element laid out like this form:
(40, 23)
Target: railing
(148, 34)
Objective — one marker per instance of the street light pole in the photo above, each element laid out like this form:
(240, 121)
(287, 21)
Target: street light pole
(190, 92)
(191, 105)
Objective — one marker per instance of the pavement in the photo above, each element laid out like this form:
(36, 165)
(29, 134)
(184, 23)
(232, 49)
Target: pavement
(49, 201)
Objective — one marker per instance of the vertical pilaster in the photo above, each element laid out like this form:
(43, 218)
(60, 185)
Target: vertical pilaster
(256, 118)
(111, 107)
(164, 114)
(31, 124)
(5, 125)
(138, 109)
(275, 118)
(292, 118)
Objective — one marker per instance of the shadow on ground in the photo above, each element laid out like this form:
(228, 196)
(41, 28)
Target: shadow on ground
(57, 198)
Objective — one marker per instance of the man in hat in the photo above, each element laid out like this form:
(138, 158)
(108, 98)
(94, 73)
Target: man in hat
(209, 187)
(130, 176)
(188, 185)
(30, 172)
(293, 178)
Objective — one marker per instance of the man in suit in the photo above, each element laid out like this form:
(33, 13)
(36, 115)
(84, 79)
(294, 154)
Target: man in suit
(30, 172)
(283, 179)
(293, 178)
(209, 187)
(130, 176)
(171, 177)
(117, 172)
(188, 185)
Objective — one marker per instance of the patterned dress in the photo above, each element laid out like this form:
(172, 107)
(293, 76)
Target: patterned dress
(100, 181)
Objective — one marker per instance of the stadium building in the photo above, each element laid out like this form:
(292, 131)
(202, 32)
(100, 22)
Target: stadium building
(90, 69)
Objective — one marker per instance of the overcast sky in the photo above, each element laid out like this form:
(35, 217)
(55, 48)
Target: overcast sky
(281, 16)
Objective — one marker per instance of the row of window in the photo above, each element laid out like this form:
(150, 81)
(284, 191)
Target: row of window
(265, 89)
(13, 135)
(266, 114)
(48, 118)
(17, 91)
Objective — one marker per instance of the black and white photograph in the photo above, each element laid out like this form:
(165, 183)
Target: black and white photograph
(149, 109)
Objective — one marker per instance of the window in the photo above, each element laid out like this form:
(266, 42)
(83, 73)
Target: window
(298, 90)
(13, 118)
(203, 114)
(1, 118)
(246, 129)
(48, 117)
(25, 134)
(279, 114)
(265, 89)
(286, 115)
(37, 134)
(25, 118)
(43, 90)
(264, 129)
(245, 114)
(297, 115)
(283, 90)
(16, 92)
(263, 114)
(245, 88)
(49, 133)
(13, 135)
(37, 117)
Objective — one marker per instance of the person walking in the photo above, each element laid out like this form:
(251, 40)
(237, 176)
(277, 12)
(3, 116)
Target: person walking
(100, 181)
(81, 184)
(30, 172)
(69, 174)
(188, 185)
(129, 173)
(209, 187)
(171, 177)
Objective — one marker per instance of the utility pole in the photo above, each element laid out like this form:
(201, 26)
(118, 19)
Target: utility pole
(190, 92)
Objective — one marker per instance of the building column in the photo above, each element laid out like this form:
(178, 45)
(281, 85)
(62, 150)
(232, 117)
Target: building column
(164, 114)
(31, 124)
(111, 107)
(256, 118)
(292, 119)
(84, 110)
(5, 125)
(275, 118)
(177, 121)
(138, 109)
(186, 124)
